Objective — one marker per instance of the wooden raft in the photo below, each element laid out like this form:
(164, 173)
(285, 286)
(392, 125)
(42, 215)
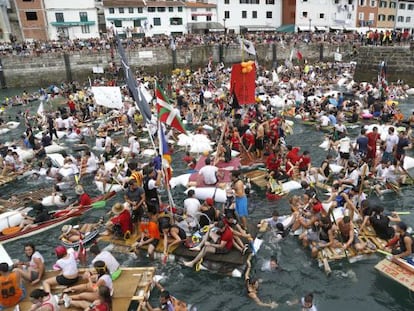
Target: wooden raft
(130, 289)
(257, 177)
(397, 273)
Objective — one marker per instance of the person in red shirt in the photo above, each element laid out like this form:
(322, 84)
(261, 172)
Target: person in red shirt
(72, 106)
(221, 243)
(373, 138)
(121, 223)
(292, 157)
(150, 234)
(304, 164)
(249, 140)
(84, 198)
(235, 140)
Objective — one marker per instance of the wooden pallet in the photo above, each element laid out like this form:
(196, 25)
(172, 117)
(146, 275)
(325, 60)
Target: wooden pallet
(257, 177)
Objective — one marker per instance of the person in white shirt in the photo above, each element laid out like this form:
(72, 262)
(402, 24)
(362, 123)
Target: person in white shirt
(134, 146)
(105, 256)
(390, 144)
(209, 173)
(344, 150)
(91, 164)
(192, 205)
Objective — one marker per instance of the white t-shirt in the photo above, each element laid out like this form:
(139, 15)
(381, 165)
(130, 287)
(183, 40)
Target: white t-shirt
(390, 142)
(108, 259)
(91, 165)
(68, 265)
(32, 263)
(209, 174)
(324, 120)
(345, 145)
(354, 176)
(192, 207)
(302, 302)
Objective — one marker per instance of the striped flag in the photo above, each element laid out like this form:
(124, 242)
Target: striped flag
(247, 46)
(166, 113)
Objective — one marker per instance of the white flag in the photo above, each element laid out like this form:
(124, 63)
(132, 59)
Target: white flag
(247, 46)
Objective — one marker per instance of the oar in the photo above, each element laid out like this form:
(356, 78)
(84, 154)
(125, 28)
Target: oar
(406, 172)
(384, 252)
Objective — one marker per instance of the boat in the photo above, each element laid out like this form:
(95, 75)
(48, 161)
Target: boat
(399, 271)
(131, 288)
(14, 233)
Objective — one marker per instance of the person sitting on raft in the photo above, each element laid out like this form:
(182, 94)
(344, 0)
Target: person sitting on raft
(167, 302)
(72, 234)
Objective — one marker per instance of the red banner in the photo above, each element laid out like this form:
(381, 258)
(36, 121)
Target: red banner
(243, 83)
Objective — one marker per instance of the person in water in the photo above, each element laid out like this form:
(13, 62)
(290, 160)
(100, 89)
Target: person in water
(168, 302)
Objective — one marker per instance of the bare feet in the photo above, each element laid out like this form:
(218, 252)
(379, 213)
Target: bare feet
(188, 264)
(195, 249)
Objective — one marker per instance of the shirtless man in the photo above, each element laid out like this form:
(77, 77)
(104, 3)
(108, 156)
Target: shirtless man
(260, 140)
(347, 234)
(241, 198)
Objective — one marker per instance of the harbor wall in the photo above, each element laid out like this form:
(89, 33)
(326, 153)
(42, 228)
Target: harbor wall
(46, 69)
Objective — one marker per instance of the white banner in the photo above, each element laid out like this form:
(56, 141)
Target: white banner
(97, 69)
(145, 54)
(338, 57)
(108, 96)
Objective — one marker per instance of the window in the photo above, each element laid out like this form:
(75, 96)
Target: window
(194, 17)
(31, 16)
(361, 2)
(85, 29)
(361, 16)
(321, 15)
(393, 5)
(371, 17)
(137, 23)
(208, 18)
(111, 10)
(226, 14)
(151, 9)
(411, 7)
(226, 1)
(83, 16)
(381, 17)
(269, 14)
(117, 23)
(305, 14)
(180, 9)
(244, 14)
(383, 4)
(193, 9)
(408, 19)
(121, 10)
(170, 9)
(391, 18)
(59, 17)
(400, 18)
(161, 9)
(157, 21)
(336, 1)
(373, 3)
(140, 10)
(270, 1)
(350, 2)
(254, 14)
(130, 10)
(176, 21)
(402, 6)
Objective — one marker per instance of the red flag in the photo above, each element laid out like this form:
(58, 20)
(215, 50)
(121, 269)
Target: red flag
(243, 84)
(166, 113)
(299, 55)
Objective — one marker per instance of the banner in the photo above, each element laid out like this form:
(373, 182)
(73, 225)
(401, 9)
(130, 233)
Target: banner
(108, 96)
(338, 57)
(243, 82)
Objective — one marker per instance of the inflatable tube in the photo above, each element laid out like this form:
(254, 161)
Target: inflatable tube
(234, 153)
(54, 148)
(290, 186)
(367, 116)
(10, 219)
(4, 130)
(410, 91)
(108, 187)
(12, 125)
(325, 144)
(48, 201)
(203, 193)
(181, 180)
(408, 162)
(335, 168)
(66, 171)
(25, 154)
(148, 152)
(57, 159)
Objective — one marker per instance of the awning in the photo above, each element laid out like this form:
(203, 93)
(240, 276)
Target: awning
(286, 28)
(126, 18)
(350, 29)
(205, 25)
(69, 24)
(260, 28)
(321, 28)
(336, 27)
(305, 28)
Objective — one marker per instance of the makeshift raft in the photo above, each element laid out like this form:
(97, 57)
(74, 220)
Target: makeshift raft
(18, 199)
(257, 177)
(12, 177)
(130, 290)
(401, 273)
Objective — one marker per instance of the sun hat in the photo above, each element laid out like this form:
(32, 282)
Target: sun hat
(79, 190)
(66, 229)
(118, 208)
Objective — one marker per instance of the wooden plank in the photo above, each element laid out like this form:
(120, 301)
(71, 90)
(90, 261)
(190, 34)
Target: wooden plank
(396, 273)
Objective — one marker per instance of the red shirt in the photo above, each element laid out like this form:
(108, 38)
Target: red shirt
(273, 162)
(372, 139)
(71, 105)
(124, 220)
(187, 159)
(85, 200)
(227, 236)
(249, 139)
(304, 162)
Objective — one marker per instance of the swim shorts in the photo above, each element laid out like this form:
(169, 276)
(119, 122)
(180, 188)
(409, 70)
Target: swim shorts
(241, 206)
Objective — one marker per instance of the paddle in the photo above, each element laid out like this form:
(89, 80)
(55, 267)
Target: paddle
(406, 172)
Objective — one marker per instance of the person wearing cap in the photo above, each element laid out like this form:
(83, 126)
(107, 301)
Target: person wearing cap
(72, 234)
(68, 266)
(11, 287)
(208, 213)
(105, 256)
(35, 266)
(121, 224)
(135, 197)
(405, 246)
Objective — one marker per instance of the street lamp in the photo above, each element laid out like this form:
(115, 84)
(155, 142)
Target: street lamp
(310, 24)
(224, 25)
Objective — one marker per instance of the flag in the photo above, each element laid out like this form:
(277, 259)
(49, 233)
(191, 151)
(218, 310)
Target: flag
(247, 46)
(166, 113)
(299, 55)
(163, 145)
(172, 43)
(136, 93)
(243, 84)
(292, 52)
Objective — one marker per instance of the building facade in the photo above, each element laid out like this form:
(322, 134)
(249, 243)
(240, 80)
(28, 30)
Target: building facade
(367, 14)
(387, 12)
(32, 19)
(5, 29)
(405, 16)
(75, 19)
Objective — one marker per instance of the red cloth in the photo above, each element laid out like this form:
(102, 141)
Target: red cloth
(293, 158)
(249, 138)
(227, 236)
(243, 85)
(187, 159)
(124, 220)
(304, 162)
(71, 105)
(85, 200)
(372, 143)
(273, 162)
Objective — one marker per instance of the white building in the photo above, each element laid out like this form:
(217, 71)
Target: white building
(250, 15)
(405, 16)
(320, 15)
(5, 28)
(74, 19)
